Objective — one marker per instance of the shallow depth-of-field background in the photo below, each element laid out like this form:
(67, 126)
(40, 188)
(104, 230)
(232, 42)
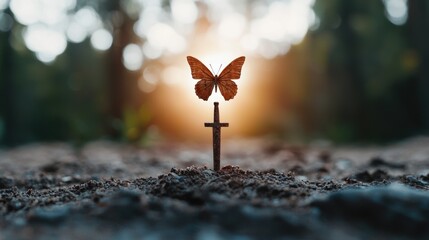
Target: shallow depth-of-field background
(103, 137)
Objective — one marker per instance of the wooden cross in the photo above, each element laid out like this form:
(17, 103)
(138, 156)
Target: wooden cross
(216, 125)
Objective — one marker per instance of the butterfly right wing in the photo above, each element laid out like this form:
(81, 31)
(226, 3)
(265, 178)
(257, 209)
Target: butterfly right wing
(228, 88)
(233, 70)
(198, 70)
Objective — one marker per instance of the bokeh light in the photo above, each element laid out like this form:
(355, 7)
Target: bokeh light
(4, 4)
(101, 39)
(45, 41)
(26, 11)
(163, 37)
(46, 11)
(184, 11)
(132, 57)
(396, 11)
(88, 18)
(6, 22)
(76, 33)
(268, 30)
(150, 78)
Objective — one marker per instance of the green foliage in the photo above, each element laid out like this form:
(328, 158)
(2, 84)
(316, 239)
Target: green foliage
(136, 123)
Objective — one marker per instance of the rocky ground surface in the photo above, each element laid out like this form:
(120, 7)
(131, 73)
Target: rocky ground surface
(106, 190)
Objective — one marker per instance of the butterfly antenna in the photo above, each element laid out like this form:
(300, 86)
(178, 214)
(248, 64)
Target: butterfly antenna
(211, 68)
(218, 70)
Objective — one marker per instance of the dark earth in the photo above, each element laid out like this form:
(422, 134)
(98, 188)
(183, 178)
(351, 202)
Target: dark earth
(266, 190)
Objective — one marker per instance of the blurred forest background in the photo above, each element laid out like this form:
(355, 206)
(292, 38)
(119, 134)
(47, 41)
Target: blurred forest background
(342, 70)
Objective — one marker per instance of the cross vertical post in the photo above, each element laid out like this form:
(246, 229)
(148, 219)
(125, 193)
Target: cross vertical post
(216, 125)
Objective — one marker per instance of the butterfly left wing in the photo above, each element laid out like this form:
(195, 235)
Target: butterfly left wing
(204, 89)
(198, 69)
(228, 88)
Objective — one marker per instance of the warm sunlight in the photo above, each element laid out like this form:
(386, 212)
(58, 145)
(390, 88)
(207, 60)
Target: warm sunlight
(216, 38)
(176, 97)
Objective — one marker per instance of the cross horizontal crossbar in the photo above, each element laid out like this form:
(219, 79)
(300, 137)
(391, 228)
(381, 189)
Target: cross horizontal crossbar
(216, 124)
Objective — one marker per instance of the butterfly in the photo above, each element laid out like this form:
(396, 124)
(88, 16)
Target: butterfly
(208, 81)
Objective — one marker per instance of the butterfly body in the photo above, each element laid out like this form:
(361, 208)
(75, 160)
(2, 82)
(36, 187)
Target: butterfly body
(208, 81)
(216, 82)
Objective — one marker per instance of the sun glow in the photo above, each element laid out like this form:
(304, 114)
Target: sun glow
(176, 97)
(215, 32)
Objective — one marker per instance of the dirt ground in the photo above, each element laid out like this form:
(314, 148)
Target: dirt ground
(266, 190)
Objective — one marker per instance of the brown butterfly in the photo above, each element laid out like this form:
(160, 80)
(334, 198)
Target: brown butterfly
(204, 87)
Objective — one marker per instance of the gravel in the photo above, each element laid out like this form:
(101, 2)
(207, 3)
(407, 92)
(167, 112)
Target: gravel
(107, 190)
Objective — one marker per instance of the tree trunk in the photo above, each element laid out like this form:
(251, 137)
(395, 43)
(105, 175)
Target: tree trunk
(122, 35)
(7, 90)
(418, 25)
(350, 84)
